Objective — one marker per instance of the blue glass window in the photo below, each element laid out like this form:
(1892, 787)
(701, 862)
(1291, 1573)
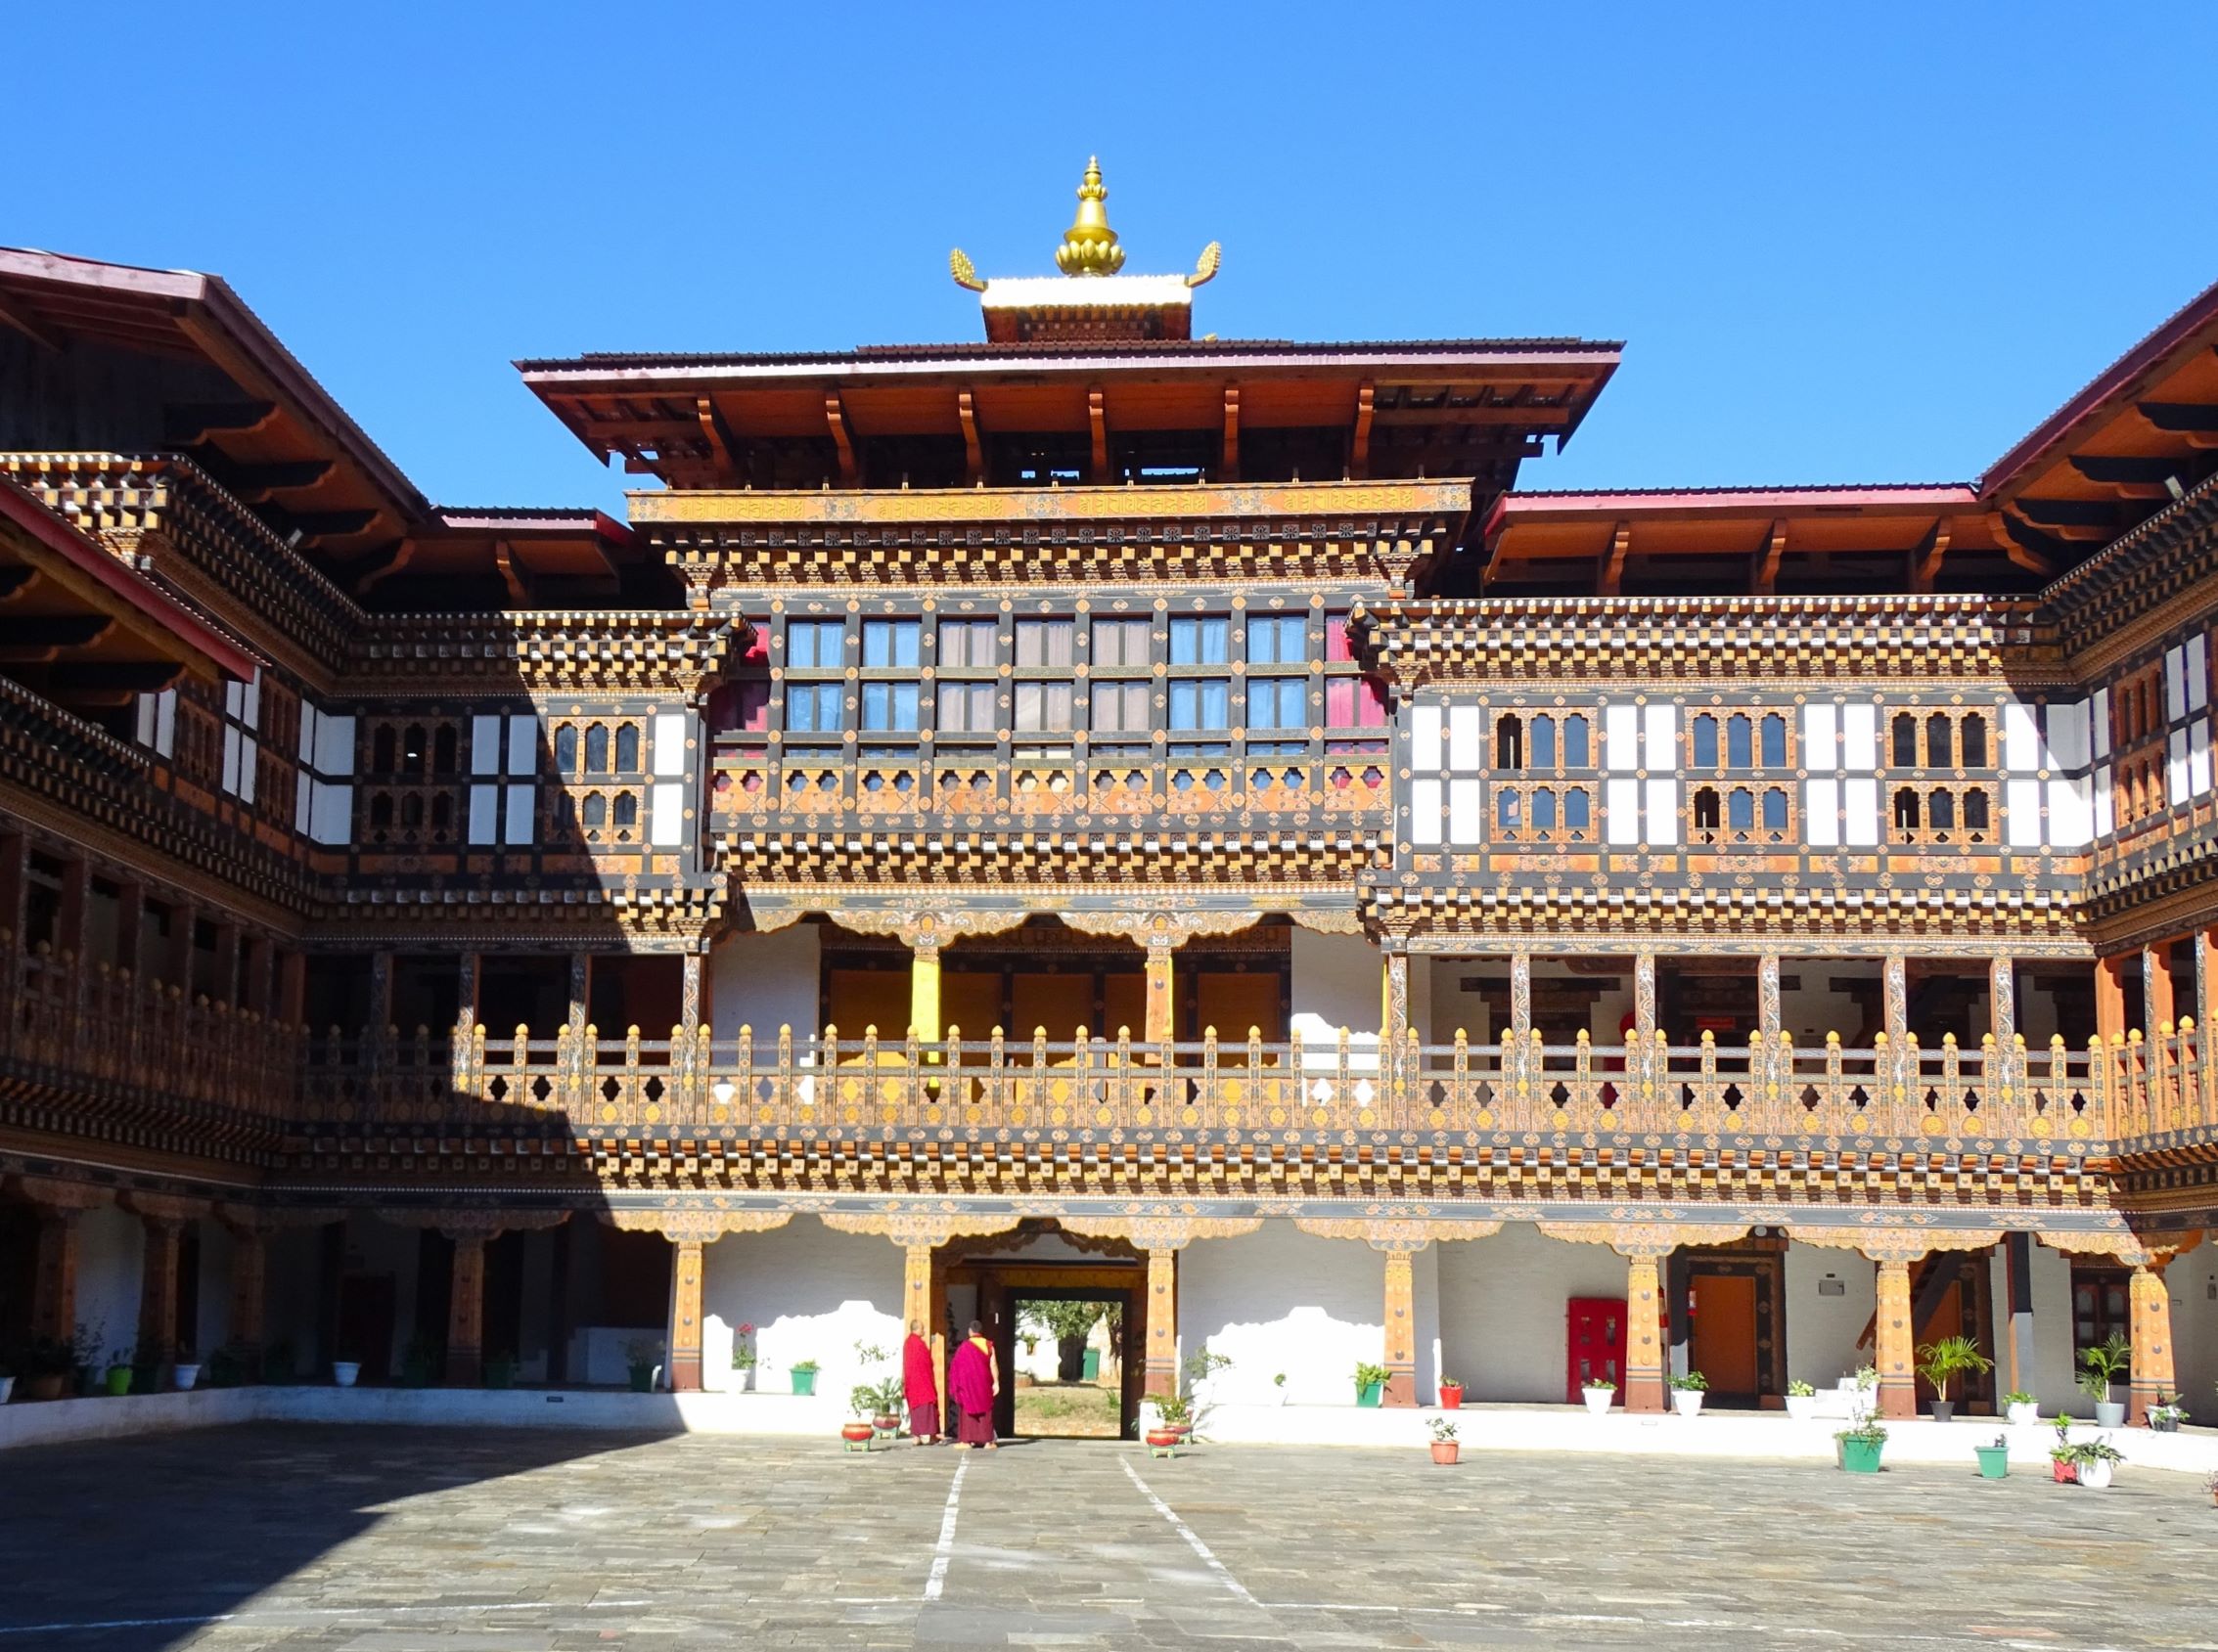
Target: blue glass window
(890, 644)
(1278, 702)
(889, 705)
(1200, 702)
(813, 708)
(814, 644)
(1277, 640)
(1201, 640)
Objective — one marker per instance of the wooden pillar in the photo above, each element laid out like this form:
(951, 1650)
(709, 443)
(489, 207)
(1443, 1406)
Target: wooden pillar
(1161, 1025)
(466, 1312)
(2002, 1000)
(689, 994)
(1644, 1344)
(1768, 1012)
(924, 993)
(1401, 1331)
(1895, 997)
(1898, 1377)
(54, 1285)
(250, 1293)
(1520, 996)
(1644, 996)
(2157, 990)
(468, 972)
(580, 990)
(2110, 1000)
(2153, 1377)
(685, 1319)
(916, 1290)
(130, 923)
(1163, 1322)
(157, 1295)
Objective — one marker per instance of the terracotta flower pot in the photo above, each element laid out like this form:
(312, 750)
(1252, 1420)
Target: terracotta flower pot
(1451, 1397)
(1445, 1451)
(2067, 1473)
(47, 1386)
(855, 1431)
(1162, 1438)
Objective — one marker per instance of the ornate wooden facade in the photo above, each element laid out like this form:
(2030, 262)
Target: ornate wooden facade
(357, 852)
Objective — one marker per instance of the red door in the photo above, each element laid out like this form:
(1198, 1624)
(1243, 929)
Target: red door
(1595, 1343)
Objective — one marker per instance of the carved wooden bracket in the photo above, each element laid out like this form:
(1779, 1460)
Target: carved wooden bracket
(695, 1225)
(265, 1219)
(1161, 928)
(1393, 1235)
(1162, 1232)
(2131, 1250)
(58, 1193)
(481, 1225)
(1632, 1240)
(164, 1207)
(925, 929)
(907, 1228)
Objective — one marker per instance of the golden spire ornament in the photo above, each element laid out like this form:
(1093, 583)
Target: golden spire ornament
(1089, 246)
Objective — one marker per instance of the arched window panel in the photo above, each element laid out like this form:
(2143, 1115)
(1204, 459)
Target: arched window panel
(628, 748)
(1578, 810)
(415, 750)
(565, 749)
(1543, 743)
(1509, 812)
(1705, 743)
(1542, 810)
(443, 749)
(1906, 810)
(1904, 741)
(594, 812)
(1975, 740)
(1975, 811)
(626, 811)
(1941, 811)
(381, 748)
(1508, 742)
(1940, 742)
(412, 811)
(1705, 809)
(1740, 743)
(1774, 811)
(597, 749)
(1741, 811)
(1774, 742)
(1578, 737)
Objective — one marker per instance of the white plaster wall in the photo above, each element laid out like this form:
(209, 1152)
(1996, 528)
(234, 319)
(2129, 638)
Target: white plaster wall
(1338, 981)
(1822, 1332)
(2192, 1281)
(1501, 1309)
(810, 1293)
(2053, 1357)
(111, 1262)
(1425, 1279)
(766, 982)
(1814, 1008)
(1281, 1300)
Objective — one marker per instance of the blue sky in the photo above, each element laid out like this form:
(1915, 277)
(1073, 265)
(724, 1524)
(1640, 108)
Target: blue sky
(1844, 244)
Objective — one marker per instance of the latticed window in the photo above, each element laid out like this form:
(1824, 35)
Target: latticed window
(1120, 708)
(1045, 643)
(1278, 702)
(1201, 640)
(965, 708)
(1121, 644)
(815, 645)
(967, 645)
(1277, 640)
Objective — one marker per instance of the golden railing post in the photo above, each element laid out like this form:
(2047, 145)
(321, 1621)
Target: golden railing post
(1582, 1098)
(2136, 1083)
(2102, 1079)
(2191, 1110)
(997, 1075)
(630, 1111)
(1951, 1107)
(2161, 1076)
(952, 1093)
(1212, 1090)
(1460, 1108)
(1409, 1097)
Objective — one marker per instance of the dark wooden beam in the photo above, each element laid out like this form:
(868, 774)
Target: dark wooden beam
(1231, 465)
(2028, 547)
(127, 677)
(189, 423)
(12, 316)
(1359, 449)
(721, 442)
(15, 579)
(974, 451)
(334, 524)
(1773, 553)
(2199, 424)
(258, 484)
(1610, 578)
(835, 421)
(1925, 561)
(2131, 478)
(2074, 513)
(53, 631)
(1097, 419)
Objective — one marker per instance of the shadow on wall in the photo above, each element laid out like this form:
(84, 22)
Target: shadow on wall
(779, 1282)
(1281, 1300)
(159, 1536)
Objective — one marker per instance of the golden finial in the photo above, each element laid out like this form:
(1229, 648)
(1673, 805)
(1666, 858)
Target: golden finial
(1089, 246)
(1205, 267)
(965, 272)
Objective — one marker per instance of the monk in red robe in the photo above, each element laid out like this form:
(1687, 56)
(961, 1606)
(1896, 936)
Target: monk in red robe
(972, 1381)
(919, 1386)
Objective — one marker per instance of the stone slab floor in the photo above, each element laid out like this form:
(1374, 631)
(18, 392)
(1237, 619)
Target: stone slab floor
(387, 1540)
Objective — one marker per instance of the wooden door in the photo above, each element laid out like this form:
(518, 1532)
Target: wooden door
(366, 1313)
(1593, 1343)
(1724, 1342)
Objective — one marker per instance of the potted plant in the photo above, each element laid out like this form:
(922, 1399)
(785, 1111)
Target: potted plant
(2095, 1460)
(859, 1430)
(1451, 1394)
(6, 1382)
(2100, 1367)
(642, 1356)
(1279, 1391)
(744, 1357)
(880, 1402)
(2166, 1416)
(86, 1367)
(2063, 1459)
(47, 1365)
(2020, 1410)
(805, 1376)
(119, 1372)
(1445, 1450)
(1801, 1400)
(1860, 1445)
(1940, 1363)
(345, 1373)
(187, 1374)
(1993, 1460)
(498, 1370)
(1174, 1414)
(1599, 1394)
(2210, 1485)
(1370, 1383)
(1686, 1390)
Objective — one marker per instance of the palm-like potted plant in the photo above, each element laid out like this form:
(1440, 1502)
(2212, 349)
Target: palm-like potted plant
(2103, 1367)
(1860, 1444)
(1801, 1400)
(1941, 1362)
(2020, 1410)
(1445, 1450)
(1599, 1394)
(1686, 1390)
(1370, 1383)
(859, 1430)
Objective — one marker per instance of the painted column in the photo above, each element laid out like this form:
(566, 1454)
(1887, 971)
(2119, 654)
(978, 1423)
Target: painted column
(1163, 1322)
(249, 1291)
(685, 1319)
(466, 970)
(1898, 1377)
(2001, 998)
(924, 993)
(54, 1286)
(1768, 1015)
(2157, 990)
(1895, 983)
(1644, 996)
(1401, 1331)
(580, 990)
(466, 1312)
(689, 994)
(157, 1295)
(916, 1290)
(2110, 1000)
(1644, 1346)
(1520, 995)
(1394, 1015)
(2153, 1378)
(1161, 1025)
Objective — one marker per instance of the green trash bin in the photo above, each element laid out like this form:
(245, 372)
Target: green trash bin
(1091, 1371)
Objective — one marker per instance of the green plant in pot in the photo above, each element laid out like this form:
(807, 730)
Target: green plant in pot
(2100, 1368)
(2094, 1459)
(2063, 1459)
(1942, 1362)
(2166, 1416)
(1686, 1390)
(1993, 1460)
(1370, 1383)
(119, 1372)
(499, 1370)
(880, 1402)
(1801, 1400)
(642, 1355)
(805, 1376)
(1860, 1446)
(2020, 1409)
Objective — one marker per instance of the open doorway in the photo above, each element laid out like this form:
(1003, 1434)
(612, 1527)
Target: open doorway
(1066, 1376)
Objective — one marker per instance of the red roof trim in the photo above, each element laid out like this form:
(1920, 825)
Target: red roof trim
(164, 610)
(2173, 331)
(1731, 500)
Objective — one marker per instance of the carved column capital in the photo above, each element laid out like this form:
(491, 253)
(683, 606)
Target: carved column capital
(1161, 1233)
(934, 1227)
(694, 1225)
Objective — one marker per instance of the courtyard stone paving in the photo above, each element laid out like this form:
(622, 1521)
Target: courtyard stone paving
(385, 1541)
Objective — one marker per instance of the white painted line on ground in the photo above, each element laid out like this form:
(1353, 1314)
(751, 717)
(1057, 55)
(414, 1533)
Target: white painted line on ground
(296, 1614)
(1186, 1531)
(940, 1556)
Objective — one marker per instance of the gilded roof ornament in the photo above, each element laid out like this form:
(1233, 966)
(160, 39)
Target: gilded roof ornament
(1089, 246)
(1205, 267)
(965, 272)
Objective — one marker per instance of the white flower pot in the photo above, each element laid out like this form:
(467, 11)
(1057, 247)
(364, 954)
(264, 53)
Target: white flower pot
(7, 1388)
(1599, 1400)
(186, 1376)
(2094, 1475)
(1278, 1394)
(2109, 1413)
(1802, 1407)
(344, 1372)
(2026, 1413)
(1687, 1401)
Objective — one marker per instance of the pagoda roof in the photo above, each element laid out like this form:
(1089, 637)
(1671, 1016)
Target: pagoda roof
(1027, 355)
